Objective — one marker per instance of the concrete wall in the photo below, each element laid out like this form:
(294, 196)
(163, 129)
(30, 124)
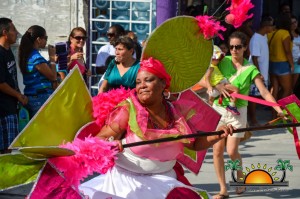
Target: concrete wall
(58, 17)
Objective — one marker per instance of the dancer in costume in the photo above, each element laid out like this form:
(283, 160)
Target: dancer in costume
(147, 171)
(241, 74)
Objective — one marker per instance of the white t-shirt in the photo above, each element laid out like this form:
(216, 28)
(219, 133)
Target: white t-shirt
(103, 53)
(296, 48)
(258, 47)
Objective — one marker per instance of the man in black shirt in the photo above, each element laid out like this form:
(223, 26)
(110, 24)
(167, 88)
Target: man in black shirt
(9, 90)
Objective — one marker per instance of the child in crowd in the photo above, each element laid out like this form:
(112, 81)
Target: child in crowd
(223, 46)
(213, 77)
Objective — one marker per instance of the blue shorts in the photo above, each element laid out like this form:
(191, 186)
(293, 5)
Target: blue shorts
(35, 102)
(296, 68)
(8, 130)
(279, 68)
(254, 90)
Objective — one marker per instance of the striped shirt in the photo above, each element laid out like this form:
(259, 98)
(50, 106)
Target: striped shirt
(34, 81)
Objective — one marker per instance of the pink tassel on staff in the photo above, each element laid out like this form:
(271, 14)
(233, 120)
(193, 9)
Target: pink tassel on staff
(91, 155)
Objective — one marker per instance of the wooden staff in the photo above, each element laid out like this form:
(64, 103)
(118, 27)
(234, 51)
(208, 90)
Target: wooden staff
(202, 134)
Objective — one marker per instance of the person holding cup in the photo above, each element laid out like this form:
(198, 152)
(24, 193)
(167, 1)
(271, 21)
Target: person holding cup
(76, 42)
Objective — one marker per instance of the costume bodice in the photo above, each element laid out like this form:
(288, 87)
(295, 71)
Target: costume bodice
(134, 117)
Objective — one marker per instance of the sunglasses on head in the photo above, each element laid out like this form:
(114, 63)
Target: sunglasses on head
(110, 34)
(78, 38)
(237, 47)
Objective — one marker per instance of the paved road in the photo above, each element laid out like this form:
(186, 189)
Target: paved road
(265, 147)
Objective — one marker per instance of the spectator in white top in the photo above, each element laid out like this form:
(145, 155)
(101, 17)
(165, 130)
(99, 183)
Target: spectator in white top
(296, 49)
(259, 56)
(113, 33)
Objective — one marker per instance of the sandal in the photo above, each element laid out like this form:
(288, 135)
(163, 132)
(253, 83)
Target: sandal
(240, 190)
(220, 196)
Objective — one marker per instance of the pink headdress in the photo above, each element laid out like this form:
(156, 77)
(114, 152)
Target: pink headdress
(155, 67)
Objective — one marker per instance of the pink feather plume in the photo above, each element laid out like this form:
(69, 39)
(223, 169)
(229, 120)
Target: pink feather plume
(238, 13)
(104, 103)
(209, 27)
(239, 9)
(91, 155)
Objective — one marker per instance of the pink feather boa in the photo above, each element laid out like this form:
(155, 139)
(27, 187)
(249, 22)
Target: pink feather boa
(91, 155)
(104, 103)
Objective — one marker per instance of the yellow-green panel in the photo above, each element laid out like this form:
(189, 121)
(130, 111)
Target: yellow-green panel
(180, 46)
(58, 120)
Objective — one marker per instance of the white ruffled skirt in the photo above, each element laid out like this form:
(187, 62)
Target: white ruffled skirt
(120, 183)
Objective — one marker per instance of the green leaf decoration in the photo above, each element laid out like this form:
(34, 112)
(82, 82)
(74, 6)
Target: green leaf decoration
(16, 169)
(294, 110)
(180, 46)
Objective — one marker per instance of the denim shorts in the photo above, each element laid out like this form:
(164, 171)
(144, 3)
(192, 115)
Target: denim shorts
(279, 68)
(35, 102)
(254, 90)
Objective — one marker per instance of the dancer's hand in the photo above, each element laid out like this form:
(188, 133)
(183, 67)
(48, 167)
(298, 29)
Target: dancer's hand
(282, 116)
(228, 130)
(119, 145)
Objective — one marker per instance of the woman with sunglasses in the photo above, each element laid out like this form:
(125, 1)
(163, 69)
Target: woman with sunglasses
(240, 74)
(76, 43)
(39, 75)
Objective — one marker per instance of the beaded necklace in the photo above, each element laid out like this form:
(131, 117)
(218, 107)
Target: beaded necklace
(170, 118)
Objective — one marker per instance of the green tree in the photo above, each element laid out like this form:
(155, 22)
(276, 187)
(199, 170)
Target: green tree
(283, 165)
(234, 166)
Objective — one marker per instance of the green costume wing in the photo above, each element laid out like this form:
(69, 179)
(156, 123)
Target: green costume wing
(180, 46)
(59, 119)
(66, 111)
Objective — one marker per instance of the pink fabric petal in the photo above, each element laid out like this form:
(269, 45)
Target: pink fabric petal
(51, 185)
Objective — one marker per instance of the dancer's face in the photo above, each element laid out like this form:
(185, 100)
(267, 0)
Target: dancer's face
(149, 88)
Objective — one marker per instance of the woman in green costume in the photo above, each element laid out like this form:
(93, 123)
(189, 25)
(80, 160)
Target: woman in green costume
(240, 74)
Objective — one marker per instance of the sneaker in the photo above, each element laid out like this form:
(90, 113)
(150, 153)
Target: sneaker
(233, 110)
